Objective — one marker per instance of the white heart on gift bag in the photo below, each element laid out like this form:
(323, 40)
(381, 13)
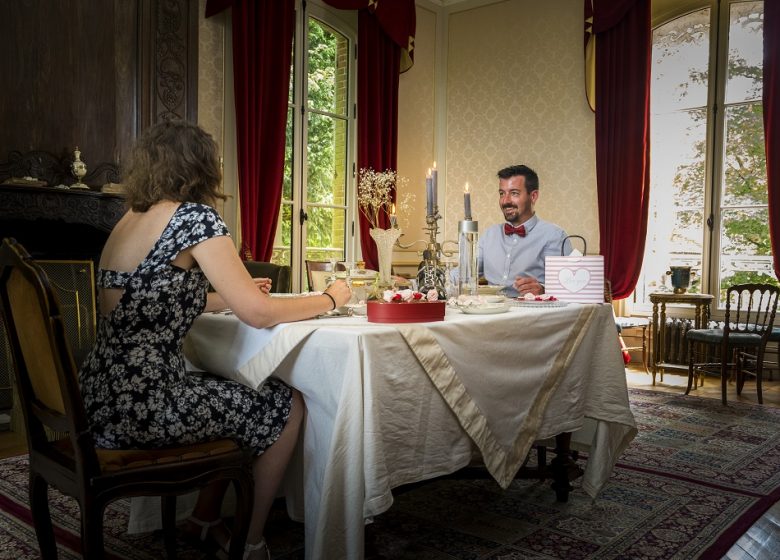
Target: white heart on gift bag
(574, 281)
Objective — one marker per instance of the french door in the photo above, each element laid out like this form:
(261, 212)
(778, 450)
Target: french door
(317, 216)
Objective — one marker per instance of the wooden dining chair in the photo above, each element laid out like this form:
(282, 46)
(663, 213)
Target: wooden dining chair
(750, 314)
(62, 452)
(315, 273)
(278, 273)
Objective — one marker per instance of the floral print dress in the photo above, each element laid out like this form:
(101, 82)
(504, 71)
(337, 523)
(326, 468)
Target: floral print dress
(135, 387)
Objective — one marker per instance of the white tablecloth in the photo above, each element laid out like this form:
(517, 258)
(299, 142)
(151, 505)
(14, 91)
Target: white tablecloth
(393, 404)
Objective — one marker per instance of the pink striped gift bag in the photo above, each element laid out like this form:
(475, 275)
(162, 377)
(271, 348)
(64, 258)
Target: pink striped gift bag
(575, 278)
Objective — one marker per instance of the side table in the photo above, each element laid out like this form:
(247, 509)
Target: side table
(701, 304)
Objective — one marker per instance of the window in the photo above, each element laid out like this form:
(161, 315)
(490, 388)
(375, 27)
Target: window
(708, 197)
(317, 215)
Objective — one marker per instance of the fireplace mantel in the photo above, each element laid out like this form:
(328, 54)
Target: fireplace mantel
(56, 223)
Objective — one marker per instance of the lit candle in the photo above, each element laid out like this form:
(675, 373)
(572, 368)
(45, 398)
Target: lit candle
(429, 192)
(393, 222)
(435, 181)
(467, 201)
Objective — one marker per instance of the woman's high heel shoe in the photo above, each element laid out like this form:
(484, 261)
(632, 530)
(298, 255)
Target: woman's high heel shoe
(249, 549)
(206, 535)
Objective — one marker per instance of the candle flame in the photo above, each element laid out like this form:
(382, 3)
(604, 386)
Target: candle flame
(434, 165)
(428, 175)
(467, 188)
(392, 211)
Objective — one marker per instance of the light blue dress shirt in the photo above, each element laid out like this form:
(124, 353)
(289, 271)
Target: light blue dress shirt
(504, 257)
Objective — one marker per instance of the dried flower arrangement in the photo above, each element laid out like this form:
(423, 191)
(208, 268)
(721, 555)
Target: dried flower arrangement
(375, 191)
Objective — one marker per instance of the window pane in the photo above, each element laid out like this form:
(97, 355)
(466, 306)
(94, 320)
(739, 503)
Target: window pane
(327, 155)
(325, 233)
(282, 253)
(746, 255)
(328, 66)
(289, 160)
(746, 42)
(291, 90)
(676, 217)
(745, 162)
(680, 63)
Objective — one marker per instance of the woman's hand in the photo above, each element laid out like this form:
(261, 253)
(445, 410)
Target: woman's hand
(340, 292)
(264, 284)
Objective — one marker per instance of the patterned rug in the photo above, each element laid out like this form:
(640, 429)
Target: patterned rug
(695, 478)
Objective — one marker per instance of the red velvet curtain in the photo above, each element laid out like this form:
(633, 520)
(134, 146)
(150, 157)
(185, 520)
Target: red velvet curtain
(622, 86)
(385, 33)
(262, 47)
(772, 120)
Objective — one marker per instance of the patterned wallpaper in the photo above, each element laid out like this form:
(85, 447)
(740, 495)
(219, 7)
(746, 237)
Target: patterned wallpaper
(211, 58)
(211, 101)
(416, 128)
(514, 95)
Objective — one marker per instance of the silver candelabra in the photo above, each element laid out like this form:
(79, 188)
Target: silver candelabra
(430, 273)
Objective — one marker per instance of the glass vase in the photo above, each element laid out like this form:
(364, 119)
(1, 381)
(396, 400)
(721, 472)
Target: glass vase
(385, 240)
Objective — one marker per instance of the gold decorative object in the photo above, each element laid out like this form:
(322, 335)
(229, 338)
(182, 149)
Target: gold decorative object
(79, 169)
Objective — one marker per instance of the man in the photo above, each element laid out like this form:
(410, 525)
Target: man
(512, 254)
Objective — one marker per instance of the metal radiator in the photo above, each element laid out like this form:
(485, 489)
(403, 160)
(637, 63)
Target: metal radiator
(675, 345)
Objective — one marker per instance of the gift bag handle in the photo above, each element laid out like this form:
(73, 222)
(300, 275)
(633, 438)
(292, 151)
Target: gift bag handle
(584, 244)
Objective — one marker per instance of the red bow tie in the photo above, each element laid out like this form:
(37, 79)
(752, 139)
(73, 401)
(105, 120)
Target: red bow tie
(509, 230)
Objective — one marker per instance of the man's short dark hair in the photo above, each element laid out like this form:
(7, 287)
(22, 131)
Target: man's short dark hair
(531, 178)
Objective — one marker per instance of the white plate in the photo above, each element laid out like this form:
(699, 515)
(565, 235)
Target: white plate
(534, 303)
(487, 309)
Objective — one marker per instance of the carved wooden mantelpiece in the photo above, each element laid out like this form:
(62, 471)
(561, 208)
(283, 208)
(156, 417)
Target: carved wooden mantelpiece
(93, 209)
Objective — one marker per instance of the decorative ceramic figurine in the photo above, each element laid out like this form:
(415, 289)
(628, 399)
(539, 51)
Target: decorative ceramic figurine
(79, 169)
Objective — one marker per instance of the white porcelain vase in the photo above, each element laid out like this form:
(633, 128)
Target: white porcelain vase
(385, 240)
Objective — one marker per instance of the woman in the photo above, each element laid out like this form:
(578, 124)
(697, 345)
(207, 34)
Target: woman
(153, 277)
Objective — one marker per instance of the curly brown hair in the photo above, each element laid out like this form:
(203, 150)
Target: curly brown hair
(174, 160)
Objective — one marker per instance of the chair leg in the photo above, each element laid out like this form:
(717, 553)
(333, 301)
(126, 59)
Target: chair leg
(690, 367)
(759, 375)
(169, 525)
(92, 529)
(723, 380)
(39, 508)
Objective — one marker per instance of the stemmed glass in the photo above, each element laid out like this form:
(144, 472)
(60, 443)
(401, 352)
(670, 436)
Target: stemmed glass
(333, 260)
(450, 285)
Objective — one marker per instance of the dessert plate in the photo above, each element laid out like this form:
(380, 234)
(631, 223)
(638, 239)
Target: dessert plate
(486, 309)
(534, 303)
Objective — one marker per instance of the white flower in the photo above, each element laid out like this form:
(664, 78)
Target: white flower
(375, 193)
(387, 295)
(406, 294)
(432, 295)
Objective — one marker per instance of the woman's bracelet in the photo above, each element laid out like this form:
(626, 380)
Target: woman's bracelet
(331, 299)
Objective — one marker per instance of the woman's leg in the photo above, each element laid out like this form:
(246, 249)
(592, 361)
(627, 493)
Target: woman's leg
(269, 468)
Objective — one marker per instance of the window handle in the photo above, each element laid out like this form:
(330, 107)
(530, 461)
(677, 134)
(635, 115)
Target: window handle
(303, 216)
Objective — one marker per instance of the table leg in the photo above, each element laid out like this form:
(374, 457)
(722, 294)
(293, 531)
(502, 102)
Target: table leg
(654, 334)
(662, 337)
(563, 467)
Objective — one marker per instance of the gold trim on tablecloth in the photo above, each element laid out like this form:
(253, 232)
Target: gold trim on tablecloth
(502, 463)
